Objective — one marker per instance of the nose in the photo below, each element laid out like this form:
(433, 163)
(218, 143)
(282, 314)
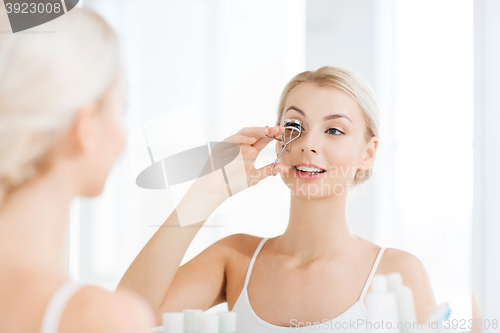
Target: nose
(308, 144)
(309, 149)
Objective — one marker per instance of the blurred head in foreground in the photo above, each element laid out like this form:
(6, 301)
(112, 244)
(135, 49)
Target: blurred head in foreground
(62, 97)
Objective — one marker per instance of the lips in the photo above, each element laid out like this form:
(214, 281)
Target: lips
(308, 176)
(308, 165)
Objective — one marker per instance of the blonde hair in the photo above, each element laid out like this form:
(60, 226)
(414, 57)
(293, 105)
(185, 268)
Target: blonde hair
(45, 77)
(352, 84)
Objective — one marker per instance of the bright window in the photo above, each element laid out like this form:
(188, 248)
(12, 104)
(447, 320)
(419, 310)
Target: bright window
(433, 136)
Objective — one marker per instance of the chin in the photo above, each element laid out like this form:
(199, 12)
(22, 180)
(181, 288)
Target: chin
(315, 189)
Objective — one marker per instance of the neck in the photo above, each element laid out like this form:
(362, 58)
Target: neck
(33, 224)
(318, 229)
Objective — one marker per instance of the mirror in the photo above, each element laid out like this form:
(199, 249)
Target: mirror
(232, 60)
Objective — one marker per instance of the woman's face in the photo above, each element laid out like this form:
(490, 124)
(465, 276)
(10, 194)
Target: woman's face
(333, 138)
(108, 139)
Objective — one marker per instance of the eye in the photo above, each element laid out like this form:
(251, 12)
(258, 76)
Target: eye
(334, 129)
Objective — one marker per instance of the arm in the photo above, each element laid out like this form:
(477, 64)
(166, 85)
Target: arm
(424, 300)
(155, 272)
(97, 310)
(155, 267)
(414, 276)
(188, 291)
(417, 279)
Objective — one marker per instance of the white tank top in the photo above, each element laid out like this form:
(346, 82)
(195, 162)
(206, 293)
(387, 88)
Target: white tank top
(55, 308)
(249, 322)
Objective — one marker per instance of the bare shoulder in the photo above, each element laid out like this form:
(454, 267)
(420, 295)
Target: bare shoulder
(240, 244)
(414, 276)
(395, 260)
(95, 309)
(240, 249)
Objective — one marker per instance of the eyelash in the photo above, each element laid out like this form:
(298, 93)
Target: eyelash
(341, 133)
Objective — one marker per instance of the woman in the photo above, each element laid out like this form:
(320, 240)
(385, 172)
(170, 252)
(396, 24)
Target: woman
(61, 104)
(317, 269)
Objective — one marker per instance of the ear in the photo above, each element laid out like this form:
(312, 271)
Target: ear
(82, 136)
(370, 153)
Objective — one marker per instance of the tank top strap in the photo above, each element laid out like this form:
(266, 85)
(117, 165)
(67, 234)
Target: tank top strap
(250, 267)
(372, 272)
(55, 308)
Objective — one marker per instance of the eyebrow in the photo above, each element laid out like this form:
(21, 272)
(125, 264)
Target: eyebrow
(332, 116)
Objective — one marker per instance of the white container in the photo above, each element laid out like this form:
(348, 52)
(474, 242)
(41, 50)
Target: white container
(227, 321)
(382, 307)
(209, 323)
(173, 322)
(192, 318)
(406, 306)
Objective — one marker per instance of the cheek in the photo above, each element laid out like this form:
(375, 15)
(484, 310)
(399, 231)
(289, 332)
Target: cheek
(118, 136)
(341, 155)
(343, 158)
(114, 139)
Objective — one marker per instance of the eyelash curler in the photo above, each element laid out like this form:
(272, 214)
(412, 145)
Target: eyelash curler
(293, 129)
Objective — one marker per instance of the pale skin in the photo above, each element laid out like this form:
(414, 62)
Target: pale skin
(317, 254)
(33, 226)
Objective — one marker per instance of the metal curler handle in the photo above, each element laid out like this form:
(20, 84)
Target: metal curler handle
(285, 145)
(273, 137)
(281, 151)
(277, 158)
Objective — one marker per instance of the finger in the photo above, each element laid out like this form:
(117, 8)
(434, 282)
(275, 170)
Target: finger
(264, 141)
(265, 171)
(240, 139)
(253, 131)
(258, 132)
(275, 130)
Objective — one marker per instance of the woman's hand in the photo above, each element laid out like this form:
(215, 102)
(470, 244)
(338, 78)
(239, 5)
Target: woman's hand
(241, 173)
